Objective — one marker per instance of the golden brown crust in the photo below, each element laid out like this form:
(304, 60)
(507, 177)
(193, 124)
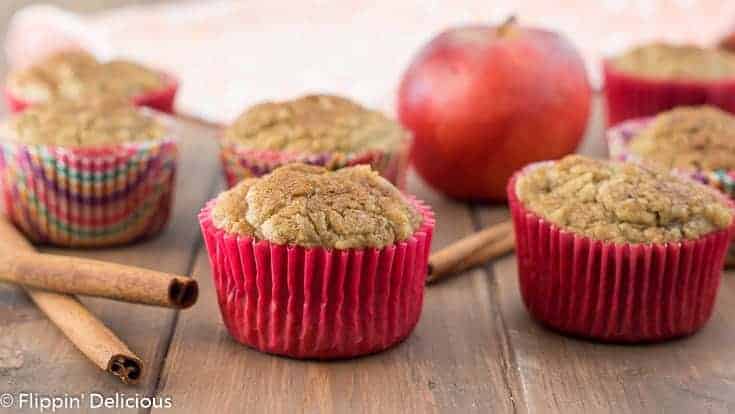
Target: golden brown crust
(688, 138)
(315, 124)
(77, 75)
(89, 124)
(668, 61)
(621, 202)
(311, 206)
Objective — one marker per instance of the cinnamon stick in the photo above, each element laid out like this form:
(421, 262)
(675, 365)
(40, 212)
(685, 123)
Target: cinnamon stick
(73, 275)
(86, 332)
(471, 251)
(89, 335)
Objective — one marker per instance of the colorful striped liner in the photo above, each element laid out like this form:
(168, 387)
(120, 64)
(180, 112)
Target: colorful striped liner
(618, 143)
(88, 197)
(240, 163)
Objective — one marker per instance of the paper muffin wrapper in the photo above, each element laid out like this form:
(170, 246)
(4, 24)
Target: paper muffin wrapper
(239, 163)
(628, 96)
(618, 142)
(161, 99)
(615, 292)
(318, 303)
(77, 197)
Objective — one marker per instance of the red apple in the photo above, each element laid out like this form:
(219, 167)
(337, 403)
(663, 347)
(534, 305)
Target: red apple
(728, 42)
(484, 101)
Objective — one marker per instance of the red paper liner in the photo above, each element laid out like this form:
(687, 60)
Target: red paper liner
(628, 96)
(161, 100)
(239, 162)
(318, 303)
(615, 292)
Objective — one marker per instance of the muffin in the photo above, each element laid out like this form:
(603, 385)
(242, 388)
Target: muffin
(87, 174)
(78, 76)
(325, 130)
(697, 142)
(314, 263)
(618, 252)
(655, 77)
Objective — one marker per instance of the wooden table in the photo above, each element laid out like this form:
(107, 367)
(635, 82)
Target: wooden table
(475, 349)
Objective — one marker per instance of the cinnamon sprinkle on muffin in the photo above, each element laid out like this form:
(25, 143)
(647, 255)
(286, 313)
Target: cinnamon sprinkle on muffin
(315, 124)
(311, 206)
(669, 61)
(77, 75)
(688, 138)
(621, 202)
(74, 124)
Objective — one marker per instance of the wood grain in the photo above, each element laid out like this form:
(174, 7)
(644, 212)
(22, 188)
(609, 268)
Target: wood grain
(50, 364)
(455, 361)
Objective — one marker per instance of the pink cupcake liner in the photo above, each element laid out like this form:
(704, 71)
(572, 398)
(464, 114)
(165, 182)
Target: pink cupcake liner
(239, 163)
(618, 142)
(161, 100)
(615, 292)
(629, 96)
(88, 197)
(318, 303)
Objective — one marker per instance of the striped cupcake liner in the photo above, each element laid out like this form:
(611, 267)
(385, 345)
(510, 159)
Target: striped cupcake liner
(161, 100)
(615, 292)
(629, 96)
(618, 142)
(240, 163)
(77, 197)
(318, 303)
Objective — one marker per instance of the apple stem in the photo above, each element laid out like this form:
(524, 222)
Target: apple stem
(507, 25)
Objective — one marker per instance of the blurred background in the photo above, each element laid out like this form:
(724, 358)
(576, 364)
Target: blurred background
(230, 54)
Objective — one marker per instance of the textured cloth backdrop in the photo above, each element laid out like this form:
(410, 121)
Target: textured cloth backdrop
(231, 54)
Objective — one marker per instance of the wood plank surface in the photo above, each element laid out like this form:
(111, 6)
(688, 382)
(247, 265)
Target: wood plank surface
(40, 359)
(455, 361)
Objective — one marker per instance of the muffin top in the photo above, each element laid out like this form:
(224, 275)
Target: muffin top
(667, 61)
(621, 202)
(75, 124)
(77, 75)
(124, 78)
(315, 124)
(311, 206)
(688, 138)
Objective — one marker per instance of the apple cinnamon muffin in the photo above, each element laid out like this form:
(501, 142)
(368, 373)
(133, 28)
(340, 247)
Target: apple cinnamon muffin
(670, 61)
(688, 138)
(653, 78)
(618, 252)
(331, 264)
(75, 124)
(79, 76)
(311, 206)
(323, 130)
(87, 174)
(622, 202)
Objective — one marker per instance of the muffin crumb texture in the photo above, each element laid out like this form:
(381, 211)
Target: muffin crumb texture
(688, 138)
(315, 124)
(311, 206)
(670, 61)
(74, 124)
(621, 202)
(77, 75)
